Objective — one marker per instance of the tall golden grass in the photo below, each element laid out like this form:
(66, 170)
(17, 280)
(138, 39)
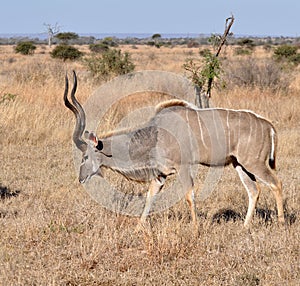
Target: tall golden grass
(53, 233)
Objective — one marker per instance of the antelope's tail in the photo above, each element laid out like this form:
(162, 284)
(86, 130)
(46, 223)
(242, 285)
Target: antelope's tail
(272, 158)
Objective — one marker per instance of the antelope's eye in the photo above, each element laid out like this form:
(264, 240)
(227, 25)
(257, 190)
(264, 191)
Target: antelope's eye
(85, 158)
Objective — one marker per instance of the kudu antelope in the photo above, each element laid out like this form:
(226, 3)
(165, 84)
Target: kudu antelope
(178, 137)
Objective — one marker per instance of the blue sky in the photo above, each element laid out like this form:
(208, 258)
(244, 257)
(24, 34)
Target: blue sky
(253, 17)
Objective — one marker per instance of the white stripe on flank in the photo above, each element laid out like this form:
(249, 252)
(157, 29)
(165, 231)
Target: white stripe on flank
(201, 132)
(249, 137)
(228, 130)
(216, 127)
(189, 131)
(239, 135)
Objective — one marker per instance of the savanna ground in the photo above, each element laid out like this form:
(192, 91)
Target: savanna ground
(53, 233)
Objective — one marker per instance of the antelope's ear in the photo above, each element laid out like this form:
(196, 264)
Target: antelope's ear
(91, 136)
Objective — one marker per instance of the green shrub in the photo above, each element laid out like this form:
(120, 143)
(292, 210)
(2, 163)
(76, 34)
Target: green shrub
(288, 54)
(25, 48)
(67, 36)
(151, 43)
(246, 43)
(295, 59)
(204, 52)
(285, 52)
(109, 41)
(66, 52)
(203, 73)
(109, 64)
(98, 48)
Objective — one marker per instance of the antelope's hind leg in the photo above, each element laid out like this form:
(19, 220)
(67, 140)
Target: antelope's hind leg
(253, 190)
(270, 179)
(277, 191)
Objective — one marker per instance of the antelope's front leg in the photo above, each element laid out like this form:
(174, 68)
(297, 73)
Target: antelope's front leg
(155, 186)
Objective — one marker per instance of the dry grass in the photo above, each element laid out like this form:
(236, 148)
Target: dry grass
(53, 233)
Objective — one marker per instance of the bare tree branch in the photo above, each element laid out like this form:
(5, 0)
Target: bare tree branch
(221, 44)
(52, 30)
(226, 32)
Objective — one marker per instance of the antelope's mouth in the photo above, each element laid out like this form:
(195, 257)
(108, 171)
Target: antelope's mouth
(88, 177)
(83, 180)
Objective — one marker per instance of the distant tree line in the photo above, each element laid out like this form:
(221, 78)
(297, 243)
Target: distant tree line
(153, 40)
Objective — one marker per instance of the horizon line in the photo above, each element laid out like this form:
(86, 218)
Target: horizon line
(141, 35)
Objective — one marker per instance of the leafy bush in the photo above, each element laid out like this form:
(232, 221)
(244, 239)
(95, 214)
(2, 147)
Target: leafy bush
(66, 52)
(295, 59)
(203, 72)
(214, 40)
(109, 41)
(246, 47)
(204, 52)
(246, 43)
(98, 48)
(65, 37)
(287, 53)
(155, 41)
(109, 64)
(25, 48)
(151, 43)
